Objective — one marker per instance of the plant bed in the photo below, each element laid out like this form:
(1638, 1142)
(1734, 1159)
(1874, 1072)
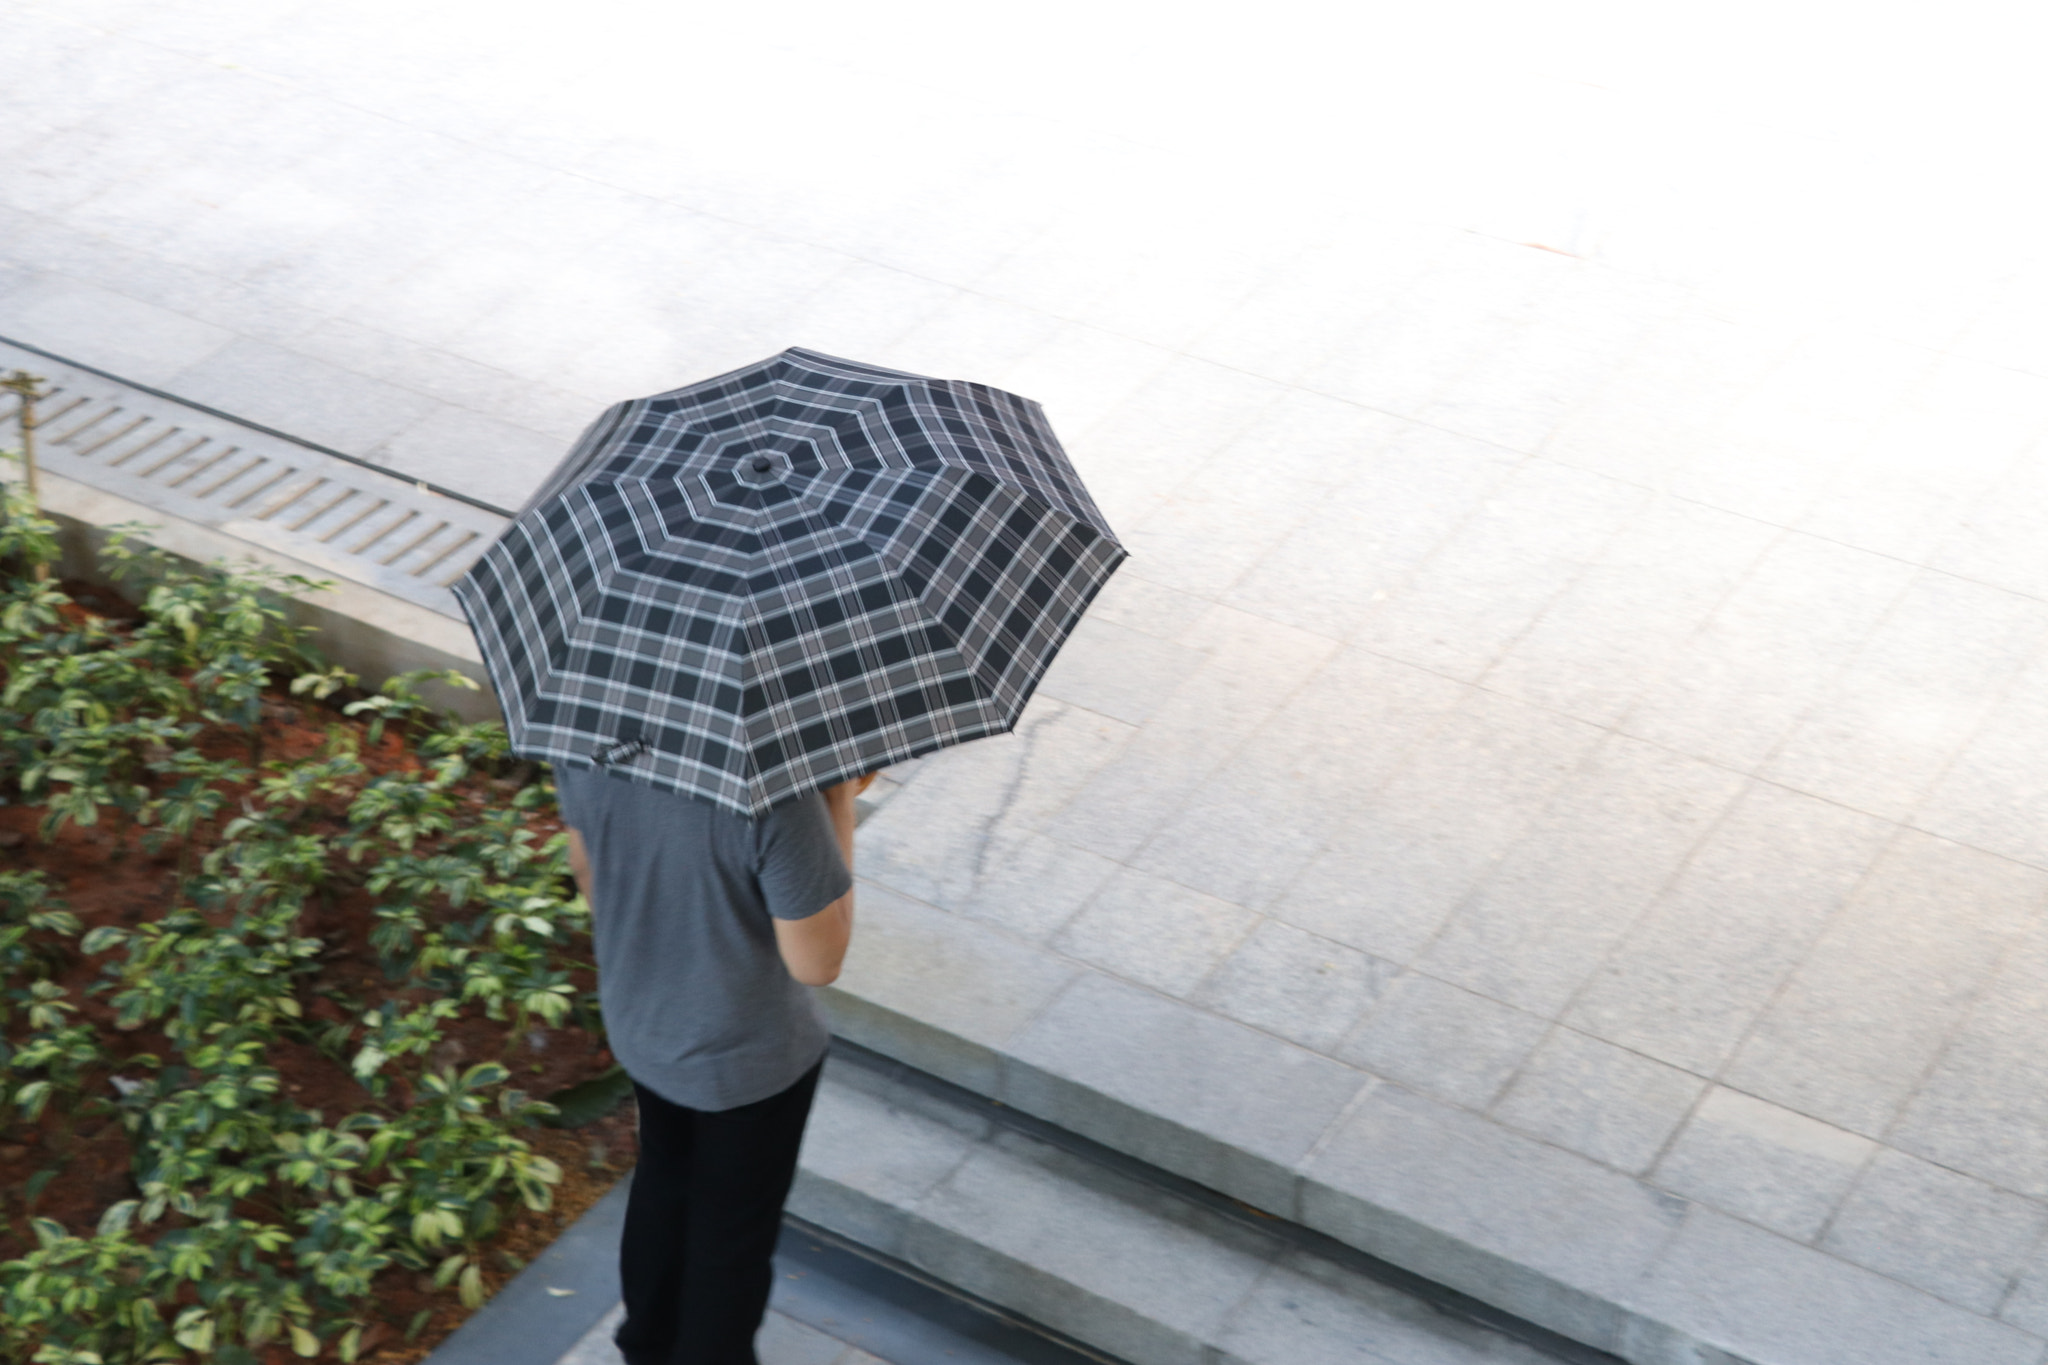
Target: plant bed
(285, 970)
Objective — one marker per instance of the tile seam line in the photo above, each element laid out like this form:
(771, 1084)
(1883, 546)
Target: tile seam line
(249, 425)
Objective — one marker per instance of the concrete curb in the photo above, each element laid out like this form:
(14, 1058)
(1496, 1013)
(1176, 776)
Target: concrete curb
(549, 1306)
(371, 633)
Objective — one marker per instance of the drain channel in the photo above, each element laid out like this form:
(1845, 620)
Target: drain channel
(340, 514)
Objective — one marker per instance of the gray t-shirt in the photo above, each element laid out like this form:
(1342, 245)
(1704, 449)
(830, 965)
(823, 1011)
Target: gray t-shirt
(697, 1002)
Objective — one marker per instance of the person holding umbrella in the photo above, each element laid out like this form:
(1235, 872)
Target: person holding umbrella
(716, 1026)
(726, 609)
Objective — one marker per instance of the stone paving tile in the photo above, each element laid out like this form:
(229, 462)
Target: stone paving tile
(1136, 602)
(1777, 448)
(1601, 1101)
(1483, 587)
(1196, 1094)
(1894, 500)
(931, 839)
(1648, 419)
(247, 311)
(1898, 714)
(1607, 636)
(970, 989)
(283, 389)
(208, 148)
(1204, 531)
(1355, 547)
(785, 1341)
(2026, 1304)
(1946, 1233)
(1249, 826)
(1253, 664)
(1117, 671)
(1693, 974)
(1401, 360)
(974, 336)
(1084, 372)
(1997, 539)
(1857, 1025)
(864, 311)
(1167, 431)
(1762, 1162)
(1388, 882)
(1991, 795)
(1032, 885)
(1755, 1294)
(500, 460)
(1586, 870)
(1155, 932)
(1172, 294)
(1288, 324)
(1304, 988)
(480, 388)
(110, 331)
(1769, 652)
(1981, 1108)
(1446, 1042)
(782, 1341)
(596, 1348)
(1516, 395)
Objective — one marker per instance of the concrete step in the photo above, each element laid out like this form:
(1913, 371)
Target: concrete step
(1126, 1259)
(932, 1227)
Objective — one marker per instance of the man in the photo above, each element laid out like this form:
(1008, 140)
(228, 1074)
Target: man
(710, 931)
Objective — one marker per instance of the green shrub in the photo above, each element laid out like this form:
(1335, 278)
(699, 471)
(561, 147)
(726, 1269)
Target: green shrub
(255, 1221)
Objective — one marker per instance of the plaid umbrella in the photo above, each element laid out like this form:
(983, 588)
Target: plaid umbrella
(787, 576)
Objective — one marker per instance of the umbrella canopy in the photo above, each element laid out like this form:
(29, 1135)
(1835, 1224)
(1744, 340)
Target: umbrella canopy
(787, 576)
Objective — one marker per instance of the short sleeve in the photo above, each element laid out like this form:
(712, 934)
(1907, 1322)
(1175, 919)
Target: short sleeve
(801, 870)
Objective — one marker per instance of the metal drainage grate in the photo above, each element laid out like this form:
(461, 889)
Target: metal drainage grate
(341, 517)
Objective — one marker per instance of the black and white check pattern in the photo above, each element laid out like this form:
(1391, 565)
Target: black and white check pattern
(786, 576)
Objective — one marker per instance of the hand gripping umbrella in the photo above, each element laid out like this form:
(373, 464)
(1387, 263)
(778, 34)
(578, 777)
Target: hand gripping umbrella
(787, 576)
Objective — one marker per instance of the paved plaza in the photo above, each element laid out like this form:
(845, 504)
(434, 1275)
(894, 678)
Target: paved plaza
(1564, 767)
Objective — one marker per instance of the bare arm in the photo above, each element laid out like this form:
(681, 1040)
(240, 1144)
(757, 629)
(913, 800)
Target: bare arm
(814, 948)
(579, 863)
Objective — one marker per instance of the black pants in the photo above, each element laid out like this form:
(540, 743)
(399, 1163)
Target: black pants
(701, 1222)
